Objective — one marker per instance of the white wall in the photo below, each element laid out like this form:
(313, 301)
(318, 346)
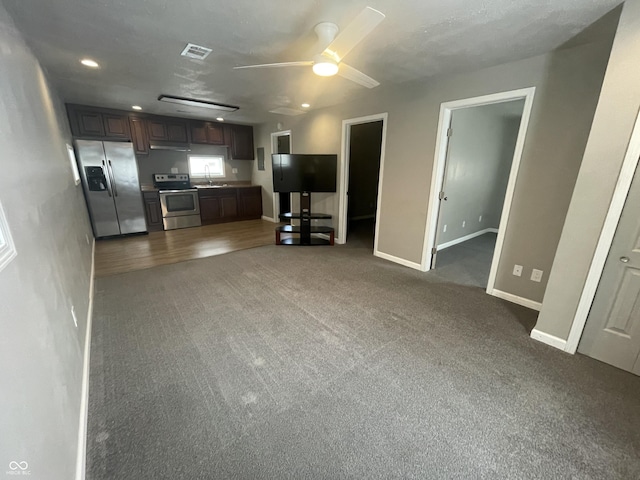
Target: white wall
(41, 351)
(478, 165)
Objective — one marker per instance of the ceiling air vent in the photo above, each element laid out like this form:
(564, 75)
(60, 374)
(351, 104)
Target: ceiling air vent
(195, 51)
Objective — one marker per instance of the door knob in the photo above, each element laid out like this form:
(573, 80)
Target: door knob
(624, 259)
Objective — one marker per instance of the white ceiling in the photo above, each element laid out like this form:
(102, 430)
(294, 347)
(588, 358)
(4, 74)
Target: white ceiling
(138, 45)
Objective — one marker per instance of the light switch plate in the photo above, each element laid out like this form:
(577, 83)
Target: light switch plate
(234, 170)
(517, 270)
(536, 275)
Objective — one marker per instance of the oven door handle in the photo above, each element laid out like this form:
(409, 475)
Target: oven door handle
(113, 179)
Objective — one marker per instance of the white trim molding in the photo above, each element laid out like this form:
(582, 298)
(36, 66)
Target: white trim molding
(341, 236)
(510, 297)
(7, 247)
(269, 219)
(555, 342)
(398, 260)
(437, 178)
(84, 399)
(457, 241)
(609, 228)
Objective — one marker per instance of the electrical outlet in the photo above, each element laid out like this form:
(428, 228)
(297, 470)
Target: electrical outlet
(234, 170)
(536, 275)
(174, 170)
(73, 315)
(444, 229)
(480, 218)
(517, 270)
(463, 223)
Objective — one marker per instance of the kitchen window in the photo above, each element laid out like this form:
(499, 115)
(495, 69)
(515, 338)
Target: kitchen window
(206, 166)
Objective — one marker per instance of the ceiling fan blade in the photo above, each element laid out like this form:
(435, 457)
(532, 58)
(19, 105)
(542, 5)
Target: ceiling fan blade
(304, 63)
(357, 76)
(354, 33)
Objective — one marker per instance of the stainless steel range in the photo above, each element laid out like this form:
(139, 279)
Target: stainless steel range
(179, 202)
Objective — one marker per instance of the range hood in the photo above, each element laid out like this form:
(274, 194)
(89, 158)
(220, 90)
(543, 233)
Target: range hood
(175, 147)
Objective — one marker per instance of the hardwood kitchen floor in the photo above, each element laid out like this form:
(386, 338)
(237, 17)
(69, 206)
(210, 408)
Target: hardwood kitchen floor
(120, 255)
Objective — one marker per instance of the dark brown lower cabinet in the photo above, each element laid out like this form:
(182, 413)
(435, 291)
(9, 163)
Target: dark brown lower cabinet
(250, 202)
(229, 204)
(153, 211)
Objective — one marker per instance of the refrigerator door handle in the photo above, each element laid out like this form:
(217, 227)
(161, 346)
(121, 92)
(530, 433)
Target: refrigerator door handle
(107, 180)
(113, 179)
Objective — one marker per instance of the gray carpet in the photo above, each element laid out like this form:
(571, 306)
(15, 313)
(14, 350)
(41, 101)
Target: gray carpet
(327, 363)
(467, 263)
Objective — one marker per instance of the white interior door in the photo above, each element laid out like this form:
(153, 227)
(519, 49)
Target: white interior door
(612, 332)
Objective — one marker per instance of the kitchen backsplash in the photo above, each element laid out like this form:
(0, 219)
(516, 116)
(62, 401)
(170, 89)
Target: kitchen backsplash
(162, 161)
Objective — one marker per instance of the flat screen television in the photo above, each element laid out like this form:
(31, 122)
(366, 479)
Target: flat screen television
(304, 173)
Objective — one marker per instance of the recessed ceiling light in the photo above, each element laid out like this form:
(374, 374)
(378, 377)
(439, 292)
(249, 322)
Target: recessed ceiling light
(305, 105)
(87, 62)
(136, 107)
(220, 119)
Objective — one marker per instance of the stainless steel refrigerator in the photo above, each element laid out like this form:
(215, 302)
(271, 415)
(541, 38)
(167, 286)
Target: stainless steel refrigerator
(110, 179)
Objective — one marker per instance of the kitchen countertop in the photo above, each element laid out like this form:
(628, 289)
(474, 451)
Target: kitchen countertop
(151, 188)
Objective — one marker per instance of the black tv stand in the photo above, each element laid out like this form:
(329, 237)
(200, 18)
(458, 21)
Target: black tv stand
(308, 235)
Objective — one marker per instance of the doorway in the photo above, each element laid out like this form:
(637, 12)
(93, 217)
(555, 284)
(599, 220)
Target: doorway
(482, 142)
(363, 146)
(478, 150)
(281, 143)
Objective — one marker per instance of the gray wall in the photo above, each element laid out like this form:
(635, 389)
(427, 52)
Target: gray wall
(612, 126)
(364, 167)
(478, 166)
(161, 161)
(41, 351)
(568, 83)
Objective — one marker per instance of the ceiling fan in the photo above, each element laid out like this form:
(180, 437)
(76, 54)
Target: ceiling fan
(329, 62)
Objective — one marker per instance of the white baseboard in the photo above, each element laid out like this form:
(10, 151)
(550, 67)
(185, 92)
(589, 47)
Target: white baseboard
(401, 261)
(451, 243)
(84, 399)
(525, 302)
(269, 219)
(556, 342)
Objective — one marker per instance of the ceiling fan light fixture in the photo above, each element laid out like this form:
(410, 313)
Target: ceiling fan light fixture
(325, 68)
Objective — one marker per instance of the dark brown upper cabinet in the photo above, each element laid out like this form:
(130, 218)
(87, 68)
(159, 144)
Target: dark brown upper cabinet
(96, 124)
(167, 130)
(157, 130)
(208, 133)
(139, 136)
(144, 129)
(239, 138)
(89, 124)
(116, 126)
